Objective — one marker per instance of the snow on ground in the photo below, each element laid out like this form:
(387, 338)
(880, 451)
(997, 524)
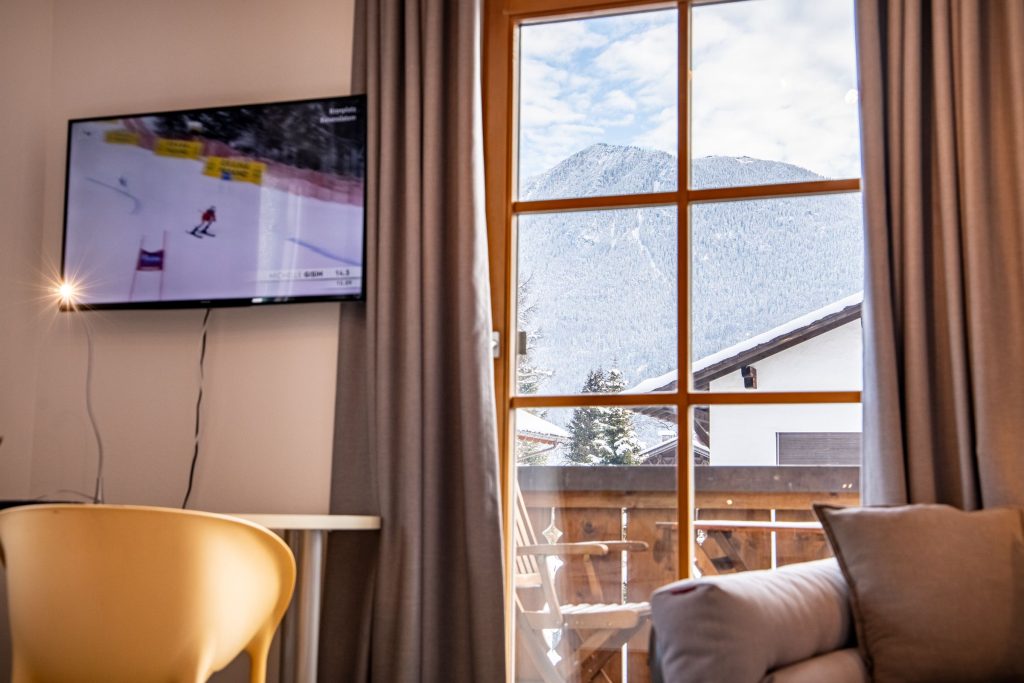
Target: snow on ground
(122, 198)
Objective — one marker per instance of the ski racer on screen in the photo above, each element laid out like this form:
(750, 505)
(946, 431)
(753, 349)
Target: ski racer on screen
(208, 218)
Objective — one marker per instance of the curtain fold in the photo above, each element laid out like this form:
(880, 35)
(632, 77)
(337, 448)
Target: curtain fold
(942, 107)
(415, 434)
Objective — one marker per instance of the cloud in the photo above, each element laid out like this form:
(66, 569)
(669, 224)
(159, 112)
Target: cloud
(538, 76)
(545, 95)
(619, 101)
(624, 120)
(581, 83)
(645, 62)
(773, 81)
(558, 41)
(663, 134)
(542, 148)
(554, 118)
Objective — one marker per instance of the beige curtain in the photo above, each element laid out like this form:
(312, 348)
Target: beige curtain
(942, 103)
(415, 437)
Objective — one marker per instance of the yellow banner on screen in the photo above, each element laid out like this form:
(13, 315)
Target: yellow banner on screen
(235, 169)
(121, 137)
(183, 149)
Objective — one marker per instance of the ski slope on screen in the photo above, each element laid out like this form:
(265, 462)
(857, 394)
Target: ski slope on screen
(123, 198)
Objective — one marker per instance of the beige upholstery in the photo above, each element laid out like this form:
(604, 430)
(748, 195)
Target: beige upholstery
(135, 594)
(838, 666)
(740, 627)
(937, 593)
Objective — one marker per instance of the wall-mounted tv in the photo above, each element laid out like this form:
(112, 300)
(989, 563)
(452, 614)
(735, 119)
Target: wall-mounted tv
(224, 206)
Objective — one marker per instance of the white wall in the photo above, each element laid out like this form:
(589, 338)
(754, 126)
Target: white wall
(270, 372)
(745, 435)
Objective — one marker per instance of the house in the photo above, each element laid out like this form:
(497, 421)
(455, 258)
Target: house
(820, 350)
(537, 439)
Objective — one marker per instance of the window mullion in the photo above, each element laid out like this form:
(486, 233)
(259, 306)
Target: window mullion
(684, 463)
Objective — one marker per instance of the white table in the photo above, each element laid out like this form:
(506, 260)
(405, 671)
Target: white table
(300, 629)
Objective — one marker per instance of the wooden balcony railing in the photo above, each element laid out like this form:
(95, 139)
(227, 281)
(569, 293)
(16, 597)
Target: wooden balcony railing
(747, 518)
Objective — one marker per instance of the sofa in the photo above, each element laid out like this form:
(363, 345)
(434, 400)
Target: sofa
(922, 593)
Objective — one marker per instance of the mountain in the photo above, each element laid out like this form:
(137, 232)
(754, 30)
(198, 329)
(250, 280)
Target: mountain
(600, 286)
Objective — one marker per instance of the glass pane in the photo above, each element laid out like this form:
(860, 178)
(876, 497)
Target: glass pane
(776, 293)
(759, 470)
(774, 93)
(597, 293)
(591, 533)
(597, 106)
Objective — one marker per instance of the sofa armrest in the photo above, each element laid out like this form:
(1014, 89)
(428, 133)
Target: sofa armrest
(739, 627)
(838, 666)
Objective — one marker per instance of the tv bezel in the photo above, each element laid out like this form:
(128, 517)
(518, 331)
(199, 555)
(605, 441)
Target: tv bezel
(215, 302)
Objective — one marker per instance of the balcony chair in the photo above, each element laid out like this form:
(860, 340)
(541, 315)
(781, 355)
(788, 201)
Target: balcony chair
(592, 632)
(126, 594)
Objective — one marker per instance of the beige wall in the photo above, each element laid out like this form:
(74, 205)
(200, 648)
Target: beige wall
(24, 90)
(24, 93)
(269, 391)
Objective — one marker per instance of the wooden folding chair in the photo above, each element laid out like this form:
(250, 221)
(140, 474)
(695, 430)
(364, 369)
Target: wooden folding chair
(591, 633)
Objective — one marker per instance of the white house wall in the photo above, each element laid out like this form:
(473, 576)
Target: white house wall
(745, 435)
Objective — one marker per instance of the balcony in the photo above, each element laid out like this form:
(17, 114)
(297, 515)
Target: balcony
(746, 518)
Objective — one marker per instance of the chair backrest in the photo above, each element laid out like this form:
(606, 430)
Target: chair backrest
(127, 593)
(526, 565)
(535, 591)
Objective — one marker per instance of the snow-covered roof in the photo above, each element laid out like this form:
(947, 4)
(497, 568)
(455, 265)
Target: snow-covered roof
(783, 330)
(789, 330)
(659, 383)
(666, 453)
(531, 426)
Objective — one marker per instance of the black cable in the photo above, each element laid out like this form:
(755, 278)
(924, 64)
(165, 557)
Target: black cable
(199, 404)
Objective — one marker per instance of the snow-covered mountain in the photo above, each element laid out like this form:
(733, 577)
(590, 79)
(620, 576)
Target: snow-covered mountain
(601, 285)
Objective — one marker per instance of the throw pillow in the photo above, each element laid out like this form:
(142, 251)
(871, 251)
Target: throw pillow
(937, 593)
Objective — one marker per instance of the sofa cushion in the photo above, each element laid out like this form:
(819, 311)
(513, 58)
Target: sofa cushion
(839, 666)
(937, 593)
(738, 627)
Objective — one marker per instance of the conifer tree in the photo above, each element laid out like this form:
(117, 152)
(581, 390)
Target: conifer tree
(585, 426)
(618, 443)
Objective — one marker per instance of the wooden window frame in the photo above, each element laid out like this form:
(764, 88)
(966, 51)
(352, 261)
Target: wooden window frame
(502, 19)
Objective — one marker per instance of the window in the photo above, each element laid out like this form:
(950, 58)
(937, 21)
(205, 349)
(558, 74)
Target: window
(670, 185)
(818, 448)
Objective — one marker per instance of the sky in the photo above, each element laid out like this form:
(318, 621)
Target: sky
(771, 79)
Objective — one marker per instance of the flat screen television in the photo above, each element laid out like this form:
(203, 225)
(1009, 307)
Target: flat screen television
(226, 206)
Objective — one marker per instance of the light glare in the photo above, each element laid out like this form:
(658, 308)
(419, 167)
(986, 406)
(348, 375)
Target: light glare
(66, 292)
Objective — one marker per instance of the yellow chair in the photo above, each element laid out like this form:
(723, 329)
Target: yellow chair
(112, 594)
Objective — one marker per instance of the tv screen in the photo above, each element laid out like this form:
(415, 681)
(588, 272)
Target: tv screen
(235, 205)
